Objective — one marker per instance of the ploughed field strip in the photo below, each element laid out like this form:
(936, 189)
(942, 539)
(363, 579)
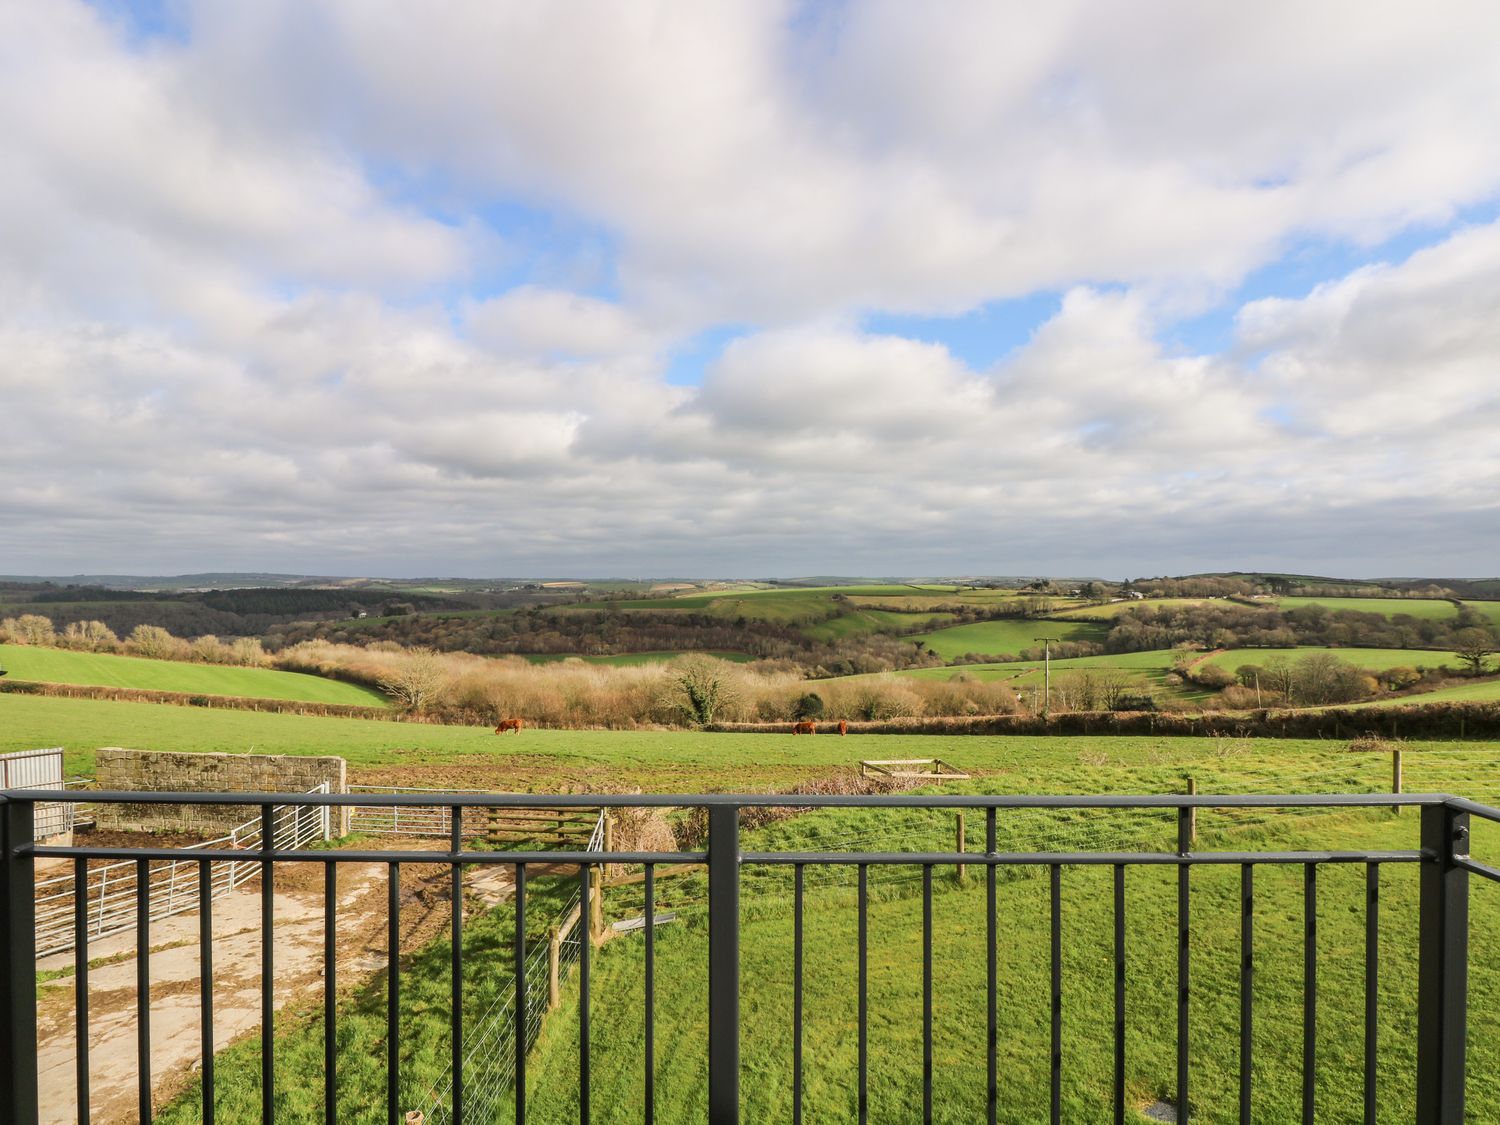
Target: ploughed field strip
(1077, 958)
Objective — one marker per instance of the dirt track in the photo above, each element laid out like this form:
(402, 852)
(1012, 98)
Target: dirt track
(176, 1035)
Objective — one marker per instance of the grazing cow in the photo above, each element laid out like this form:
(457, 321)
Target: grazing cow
(510, 724)
(843, 727)
(805, 728)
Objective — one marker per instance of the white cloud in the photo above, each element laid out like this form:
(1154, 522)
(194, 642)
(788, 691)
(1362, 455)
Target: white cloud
(765, 168)
(232, 335)
(531, 320)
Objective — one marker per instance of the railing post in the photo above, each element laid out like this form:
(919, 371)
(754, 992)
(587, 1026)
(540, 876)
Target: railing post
(958, 841)
(1443, 968)
(18, 949)
(723, 965)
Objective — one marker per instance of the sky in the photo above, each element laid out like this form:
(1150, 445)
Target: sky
(749, 288)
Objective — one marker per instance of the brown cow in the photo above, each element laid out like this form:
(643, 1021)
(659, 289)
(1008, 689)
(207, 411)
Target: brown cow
(510, 724)
(805, 728)
(843, 727)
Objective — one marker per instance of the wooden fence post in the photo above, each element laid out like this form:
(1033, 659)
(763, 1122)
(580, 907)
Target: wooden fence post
(1396, 778)
(554, 957)
(596, 905)
(963, 871)
(1193, 812)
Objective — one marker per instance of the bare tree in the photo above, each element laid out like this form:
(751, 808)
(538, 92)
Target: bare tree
(1474, 647)
(34, 629)
(418, 682)
(152, 641)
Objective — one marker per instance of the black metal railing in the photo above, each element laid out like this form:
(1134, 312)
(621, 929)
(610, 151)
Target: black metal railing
(1441, 1007)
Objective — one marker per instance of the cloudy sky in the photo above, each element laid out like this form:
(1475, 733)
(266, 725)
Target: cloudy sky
(484, 288)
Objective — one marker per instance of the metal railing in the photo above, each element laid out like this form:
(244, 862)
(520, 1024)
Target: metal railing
(1443, 860)
(109, 896)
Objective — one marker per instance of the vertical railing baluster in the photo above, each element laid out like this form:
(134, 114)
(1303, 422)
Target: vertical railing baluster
(456, 968)
(863, 942)
(1372, 983)
(81, 983)
(18, 981)
(1309, 992)
(330, 994)
(143, 987)
(393, 994)
(1247, 987)
(1442, 968)
(519, 971)
(723, 964)
(1055, 958)
(1185, 828)
(585, 940)
(206, 984)
(798, 890)
(650, 993)
(1118, 1093)
(267, 969)
(992, 1049)
(927, 993)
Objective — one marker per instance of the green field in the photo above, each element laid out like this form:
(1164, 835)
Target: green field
(1489, 609)
(1155, 660)
(1427, 609)
(695, 761)
(1006, 636)
(1373, 659)
(569, 760)
(59, 666)
(1115, 609)
(895, 926)
(859, 622)
(1485, 691)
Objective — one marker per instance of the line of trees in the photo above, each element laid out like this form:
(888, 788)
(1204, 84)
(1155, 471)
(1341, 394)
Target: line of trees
(150, 641)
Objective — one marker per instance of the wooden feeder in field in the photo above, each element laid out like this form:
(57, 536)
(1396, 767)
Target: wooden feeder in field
(911, 769)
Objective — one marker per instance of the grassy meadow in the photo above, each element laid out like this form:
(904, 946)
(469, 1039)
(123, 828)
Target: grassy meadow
(62, 666)
(694, 761)
(1432, 609)
(1007, 635)
(1059, 765)
(1372, 659)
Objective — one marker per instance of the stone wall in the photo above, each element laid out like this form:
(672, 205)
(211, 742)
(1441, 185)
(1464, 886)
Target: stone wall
(119, 769)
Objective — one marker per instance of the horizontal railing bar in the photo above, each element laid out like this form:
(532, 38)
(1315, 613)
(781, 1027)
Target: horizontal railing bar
(510, 859)
(769, 800)
(280, 855)
(1010, 859)
(1477, 868)
(1474, 808)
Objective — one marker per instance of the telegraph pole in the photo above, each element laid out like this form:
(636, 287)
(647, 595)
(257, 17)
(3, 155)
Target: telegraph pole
(1046, 673)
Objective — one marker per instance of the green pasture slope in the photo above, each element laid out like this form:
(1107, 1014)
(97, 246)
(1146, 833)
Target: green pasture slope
(1482, 691)
(97, 669)
(895, 958)
(1142, 664)
(1114, 609)
(1428, 609)
(1007, 635)
(1373, 659)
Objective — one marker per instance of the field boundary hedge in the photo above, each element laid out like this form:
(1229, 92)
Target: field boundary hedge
(1432, 720)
